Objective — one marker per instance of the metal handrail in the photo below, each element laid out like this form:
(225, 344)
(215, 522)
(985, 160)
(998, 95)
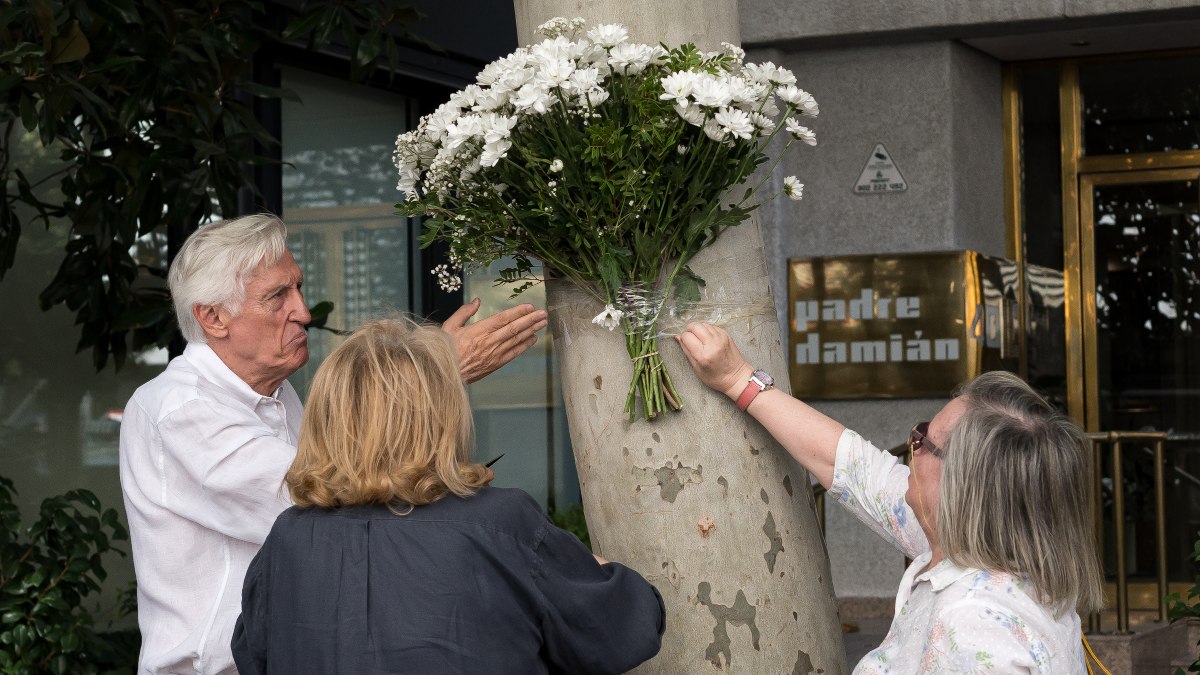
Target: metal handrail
(1115, 439)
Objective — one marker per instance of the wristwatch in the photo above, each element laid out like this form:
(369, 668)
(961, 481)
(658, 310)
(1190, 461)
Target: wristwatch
(759, 382)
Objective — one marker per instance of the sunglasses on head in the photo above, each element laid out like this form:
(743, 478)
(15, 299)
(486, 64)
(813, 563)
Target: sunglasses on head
(918, 439)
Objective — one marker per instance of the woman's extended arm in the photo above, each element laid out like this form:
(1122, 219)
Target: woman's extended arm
(807, 434)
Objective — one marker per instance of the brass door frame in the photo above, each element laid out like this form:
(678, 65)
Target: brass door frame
(1086, 302)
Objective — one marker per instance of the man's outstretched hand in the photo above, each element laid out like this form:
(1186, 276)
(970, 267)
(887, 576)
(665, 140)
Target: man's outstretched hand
(488, 344)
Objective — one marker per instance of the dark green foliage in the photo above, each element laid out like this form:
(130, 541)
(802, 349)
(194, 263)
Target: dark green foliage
(147, 103)
(1179, 608)
(571, 519)
(47, 570)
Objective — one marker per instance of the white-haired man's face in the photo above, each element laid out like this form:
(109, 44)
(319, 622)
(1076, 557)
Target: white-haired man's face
(265, 342)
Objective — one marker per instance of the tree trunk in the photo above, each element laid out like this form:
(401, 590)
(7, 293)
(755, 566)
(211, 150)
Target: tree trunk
(703, 502)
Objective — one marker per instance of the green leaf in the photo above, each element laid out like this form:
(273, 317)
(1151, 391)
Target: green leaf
(687, 286)
(72, 45)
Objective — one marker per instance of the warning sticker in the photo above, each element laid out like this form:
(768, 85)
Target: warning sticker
(880, 175)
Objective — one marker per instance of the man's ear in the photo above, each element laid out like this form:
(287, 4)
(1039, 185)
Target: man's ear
(212, 319)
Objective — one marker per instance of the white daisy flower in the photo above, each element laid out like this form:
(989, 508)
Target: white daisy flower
(678, 86)
(735, 122)
(610, 318)
(800, 133)
(711, 91)
(714, 130)
(793, 188)
(608, 35)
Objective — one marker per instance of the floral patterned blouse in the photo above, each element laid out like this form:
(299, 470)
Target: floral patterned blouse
(948, 619)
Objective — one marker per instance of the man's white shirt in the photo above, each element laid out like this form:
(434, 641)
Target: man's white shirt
(202, 462)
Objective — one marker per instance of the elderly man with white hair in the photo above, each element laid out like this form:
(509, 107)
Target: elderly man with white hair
(205, 445)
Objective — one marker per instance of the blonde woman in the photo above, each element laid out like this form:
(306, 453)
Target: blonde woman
(993, 511)
(399, 558)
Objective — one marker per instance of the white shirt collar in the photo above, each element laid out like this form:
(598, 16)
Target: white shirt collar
(205, 360)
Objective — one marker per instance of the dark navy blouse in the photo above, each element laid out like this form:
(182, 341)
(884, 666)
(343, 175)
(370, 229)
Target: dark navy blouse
(485, 584)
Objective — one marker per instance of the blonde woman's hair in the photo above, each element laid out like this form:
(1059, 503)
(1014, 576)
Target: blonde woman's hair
(214, 263)
(387, 422)
(1016, 493)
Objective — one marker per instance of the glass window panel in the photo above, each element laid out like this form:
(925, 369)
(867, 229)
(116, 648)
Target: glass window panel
(1148, 305)
(339, 188)
(1042, 230)
(518, 409)
(1150, 105)
(59, 418)
(1147, 238)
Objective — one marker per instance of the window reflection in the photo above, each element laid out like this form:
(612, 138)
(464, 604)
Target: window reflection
(1148, 304)
(518, 409)
(1150, 105)
(339, 188)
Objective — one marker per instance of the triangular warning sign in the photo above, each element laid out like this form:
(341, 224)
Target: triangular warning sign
(880, 175)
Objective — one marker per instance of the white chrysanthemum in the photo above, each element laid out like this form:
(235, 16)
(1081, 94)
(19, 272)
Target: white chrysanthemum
(735, 122)
(630, 57)
(494, 152)
(768, 72)
(610, 318)
(734, 51)
(806, 104)
(801, 133)
(513, 80)
(593, 97)
(555, 72)
(532, 97)
(497, 127)
(490, 99)
(556, 166)
(743, 90)
(714, 130)
(711, 91)
(692, 115)
(608, 35)
(547, 51)
(678, 86)
(765, 124)
(465, 98)
(791, 94)
(793, 188)
(583, 79)
(437, 121)
(681, 149)
(462, 130)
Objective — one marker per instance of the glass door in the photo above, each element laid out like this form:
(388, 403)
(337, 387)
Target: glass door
(1141, 284)
(1140, 242)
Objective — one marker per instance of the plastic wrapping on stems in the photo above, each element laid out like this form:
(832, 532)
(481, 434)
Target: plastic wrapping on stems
(648, 314)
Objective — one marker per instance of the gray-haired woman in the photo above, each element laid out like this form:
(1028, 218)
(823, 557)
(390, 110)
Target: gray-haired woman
(993, 510)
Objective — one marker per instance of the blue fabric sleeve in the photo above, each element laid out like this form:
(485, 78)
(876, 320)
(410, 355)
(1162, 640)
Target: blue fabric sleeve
(596, 618)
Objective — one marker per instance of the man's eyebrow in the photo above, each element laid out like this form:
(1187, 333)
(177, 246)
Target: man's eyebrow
(272, 290)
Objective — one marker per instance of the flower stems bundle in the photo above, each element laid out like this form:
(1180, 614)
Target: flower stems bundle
(604, 162)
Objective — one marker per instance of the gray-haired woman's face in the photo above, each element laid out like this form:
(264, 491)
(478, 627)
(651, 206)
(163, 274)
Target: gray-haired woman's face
(925, 470)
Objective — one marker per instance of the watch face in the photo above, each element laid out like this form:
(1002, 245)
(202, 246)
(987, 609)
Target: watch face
(764, 378)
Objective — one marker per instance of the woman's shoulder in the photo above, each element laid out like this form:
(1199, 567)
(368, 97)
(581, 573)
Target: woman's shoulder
(1009, 600)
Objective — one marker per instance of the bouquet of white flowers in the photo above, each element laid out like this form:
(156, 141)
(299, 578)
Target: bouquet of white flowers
(606, 161)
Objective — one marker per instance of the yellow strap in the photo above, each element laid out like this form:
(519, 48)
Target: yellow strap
(1093, 656)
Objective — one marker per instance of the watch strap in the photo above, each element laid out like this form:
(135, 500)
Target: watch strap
(752, 389)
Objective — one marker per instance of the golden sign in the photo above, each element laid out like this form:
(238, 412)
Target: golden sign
(899, 326)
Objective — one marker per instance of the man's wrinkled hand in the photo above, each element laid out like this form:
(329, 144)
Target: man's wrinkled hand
(488, 344)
